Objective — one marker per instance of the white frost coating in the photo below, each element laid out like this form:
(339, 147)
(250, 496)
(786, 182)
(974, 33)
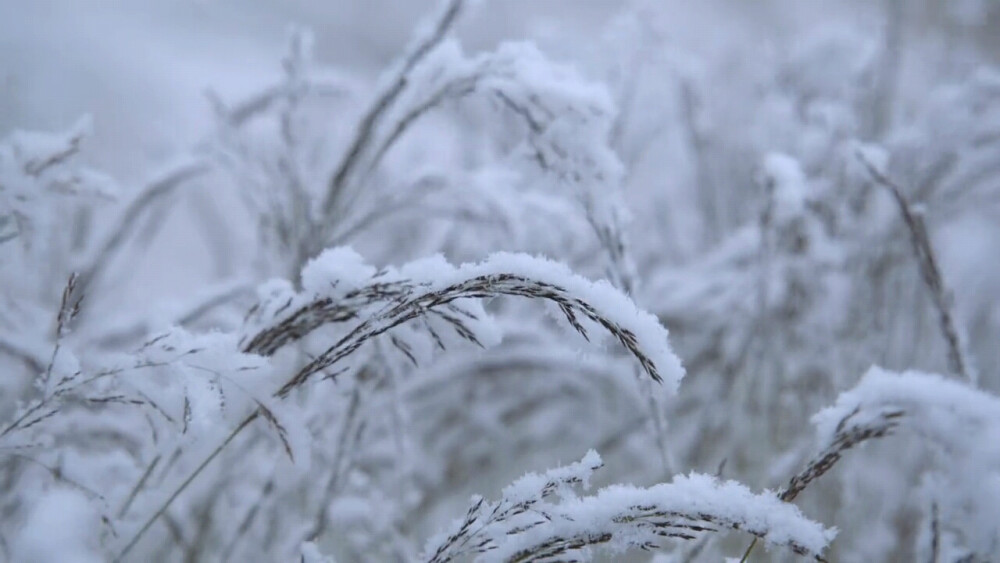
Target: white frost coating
(572, 119)
(567, 119)
(34, 144)
(341, 265)
(34, 165)
(538, 75)
(532, 484)
(199, 379)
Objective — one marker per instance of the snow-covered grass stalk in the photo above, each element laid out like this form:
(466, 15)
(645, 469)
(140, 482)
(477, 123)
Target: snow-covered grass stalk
(954, 419)
(958, 426)
(953, 414)
(541, 518)
(580, 301)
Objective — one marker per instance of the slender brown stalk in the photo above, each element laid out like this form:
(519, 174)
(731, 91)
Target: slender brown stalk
(366, 128)
(958, 357)
(184, 485)
(129, 220)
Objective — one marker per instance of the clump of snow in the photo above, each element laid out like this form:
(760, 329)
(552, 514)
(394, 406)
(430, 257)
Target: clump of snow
(945, 408)
(560, 480)
(312, 554)
(62, 526)
(341, 265)
(784, 174)
(874, 155)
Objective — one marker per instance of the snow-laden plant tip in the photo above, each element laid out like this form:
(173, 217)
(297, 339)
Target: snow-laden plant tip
(468, 270)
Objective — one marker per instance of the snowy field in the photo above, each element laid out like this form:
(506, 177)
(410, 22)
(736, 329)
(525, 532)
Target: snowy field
(499, 280)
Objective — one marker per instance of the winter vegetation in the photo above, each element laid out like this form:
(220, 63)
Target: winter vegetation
(609, 289)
